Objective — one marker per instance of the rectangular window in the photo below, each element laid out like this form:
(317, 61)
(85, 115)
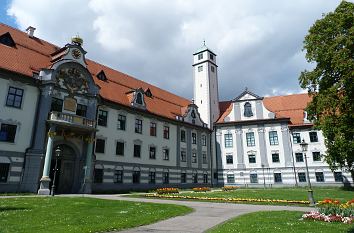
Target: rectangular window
(204, 156)
(319, 176)
(200, 68)
(152, 177)
(228, 140)
(316, 156)
(121, 122)
(250, 139)
(165, 178)
(136, 177)
(81, 110)
(229, 159)
(211, 56)
(138, 126)
(277, 178)
(4, 172)
(120, 148)
(212, 68)
(152, 152)
(296, 138)
(100, 145)
(275, 158)
(252, 158)
(230, 178)
(183, 156)
(302, 177)
(98, 176)
(313, 137)
(194, 157)
(166, 132)
(194, 138)
(166, 154)
(102, 117)
(183, 135)
(299, 157)
(195, 178)
(273, 138)
(152, 129)
(56, 105)
(8, 133)
(183, 177)
(253, 178)
(118, 176)
(338, 176)
(205, 178)
(137, 150)
(14, 97)
(200, 56)
(204, 140)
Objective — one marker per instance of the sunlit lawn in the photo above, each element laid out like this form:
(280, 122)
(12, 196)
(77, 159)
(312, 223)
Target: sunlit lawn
(278, 193)
(279, 222)
(65, 214)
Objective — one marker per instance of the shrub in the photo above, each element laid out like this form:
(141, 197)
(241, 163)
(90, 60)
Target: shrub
(167, 190)
(201, 189)
(230, 188)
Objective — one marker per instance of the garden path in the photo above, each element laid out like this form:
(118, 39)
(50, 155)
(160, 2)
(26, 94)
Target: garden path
(206, 214)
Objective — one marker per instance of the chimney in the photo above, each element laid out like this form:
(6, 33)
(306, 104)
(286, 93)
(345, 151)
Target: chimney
(30, 31)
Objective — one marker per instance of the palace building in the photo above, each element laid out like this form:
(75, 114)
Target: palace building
(89, 128)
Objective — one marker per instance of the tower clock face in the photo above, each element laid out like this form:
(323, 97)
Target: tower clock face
(76, 53)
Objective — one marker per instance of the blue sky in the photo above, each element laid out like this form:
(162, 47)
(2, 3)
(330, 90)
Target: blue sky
(258, 43)
(4, 18)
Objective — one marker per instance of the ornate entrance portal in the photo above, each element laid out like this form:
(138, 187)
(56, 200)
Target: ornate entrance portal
(67, 173)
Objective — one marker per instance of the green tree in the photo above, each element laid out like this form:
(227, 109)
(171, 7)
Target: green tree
(330, 46)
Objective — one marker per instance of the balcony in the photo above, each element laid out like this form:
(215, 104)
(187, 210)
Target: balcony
(71, 120)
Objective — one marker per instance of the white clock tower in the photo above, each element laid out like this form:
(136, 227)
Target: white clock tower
(206, 96)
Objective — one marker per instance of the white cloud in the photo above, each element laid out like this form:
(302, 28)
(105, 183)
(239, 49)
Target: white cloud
(258, 43)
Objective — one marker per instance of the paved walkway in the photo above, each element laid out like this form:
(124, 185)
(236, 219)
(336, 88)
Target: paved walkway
(205, 216)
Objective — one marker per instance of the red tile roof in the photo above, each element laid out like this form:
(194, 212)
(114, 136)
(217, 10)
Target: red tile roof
(33, 54)
(289, 106)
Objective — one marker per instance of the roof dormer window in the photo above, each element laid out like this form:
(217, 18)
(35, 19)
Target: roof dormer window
(6, 39)
(101, 76)
(248, 110)
(139, 98)
(148, 93)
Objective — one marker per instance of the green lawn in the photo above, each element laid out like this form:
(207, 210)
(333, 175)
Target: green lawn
(278, 193)
(279, 222)
(65, 214)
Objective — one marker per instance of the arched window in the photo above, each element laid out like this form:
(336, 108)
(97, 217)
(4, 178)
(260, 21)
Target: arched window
(139, 98)
(247, 110)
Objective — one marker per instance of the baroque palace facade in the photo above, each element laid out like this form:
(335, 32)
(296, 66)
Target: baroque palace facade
(107, 131)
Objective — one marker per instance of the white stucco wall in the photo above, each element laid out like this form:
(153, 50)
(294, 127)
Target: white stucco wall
(22, 117)
(111, 134)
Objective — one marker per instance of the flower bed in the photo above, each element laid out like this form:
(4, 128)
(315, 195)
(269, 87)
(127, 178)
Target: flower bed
(167, 190)
(229, 188)
(232, 200)
(330, 210)
(201, 189)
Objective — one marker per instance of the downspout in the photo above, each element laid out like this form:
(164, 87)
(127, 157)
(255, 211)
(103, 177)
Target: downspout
(216, 159)
(292, 155)
(211, 160)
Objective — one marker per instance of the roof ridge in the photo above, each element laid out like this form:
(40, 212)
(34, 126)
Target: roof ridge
(275, 96)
